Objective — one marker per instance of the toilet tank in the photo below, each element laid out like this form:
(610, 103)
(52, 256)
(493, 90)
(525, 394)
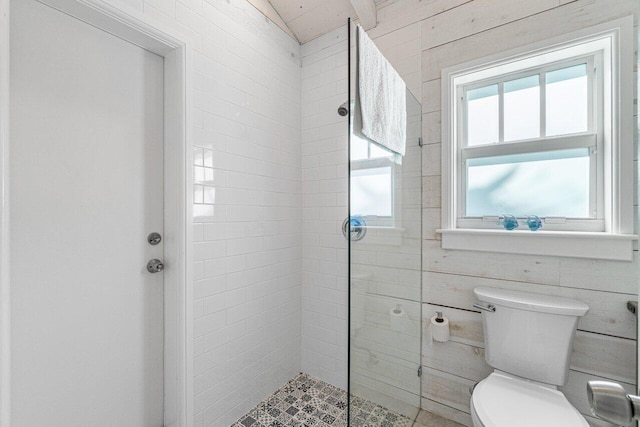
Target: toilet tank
(529, 335)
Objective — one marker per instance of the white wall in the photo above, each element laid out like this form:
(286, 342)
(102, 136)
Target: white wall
(324, 172)
(247, 224)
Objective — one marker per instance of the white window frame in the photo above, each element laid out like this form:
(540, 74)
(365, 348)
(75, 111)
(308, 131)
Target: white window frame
(610, 232)
(592, 139)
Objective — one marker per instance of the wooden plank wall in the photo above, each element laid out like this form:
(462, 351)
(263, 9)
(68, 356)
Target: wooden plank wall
(421, 38)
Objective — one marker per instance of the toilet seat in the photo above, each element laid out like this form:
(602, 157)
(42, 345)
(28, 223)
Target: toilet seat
(501, 400)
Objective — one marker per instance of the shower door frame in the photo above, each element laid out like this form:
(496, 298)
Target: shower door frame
(133, 26)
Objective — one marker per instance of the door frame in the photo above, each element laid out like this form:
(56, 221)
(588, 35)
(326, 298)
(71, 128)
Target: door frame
(131, 25)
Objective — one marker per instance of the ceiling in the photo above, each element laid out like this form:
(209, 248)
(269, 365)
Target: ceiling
(307, 19)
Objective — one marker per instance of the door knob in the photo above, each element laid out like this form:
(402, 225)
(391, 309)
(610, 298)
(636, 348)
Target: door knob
(155, 266)
(610, 402)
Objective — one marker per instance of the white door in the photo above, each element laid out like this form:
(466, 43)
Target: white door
(86, 190)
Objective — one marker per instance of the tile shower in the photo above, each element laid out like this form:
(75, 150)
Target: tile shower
(234, 283)
(385, 271)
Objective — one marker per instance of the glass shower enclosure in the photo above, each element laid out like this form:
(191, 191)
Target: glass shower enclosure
(385, 262)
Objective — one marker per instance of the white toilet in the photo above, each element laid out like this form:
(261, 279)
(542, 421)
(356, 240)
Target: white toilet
(528, 340)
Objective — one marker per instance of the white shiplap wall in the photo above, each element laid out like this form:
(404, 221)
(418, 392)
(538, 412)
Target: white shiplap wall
(453, 32)
(248, 223)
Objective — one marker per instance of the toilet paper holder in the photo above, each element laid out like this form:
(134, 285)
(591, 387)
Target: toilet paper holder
(488, 307)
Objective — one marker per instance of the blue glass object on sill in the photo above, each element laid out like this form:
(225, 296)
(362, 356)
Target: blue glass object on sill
(509, 222)
(534, 222)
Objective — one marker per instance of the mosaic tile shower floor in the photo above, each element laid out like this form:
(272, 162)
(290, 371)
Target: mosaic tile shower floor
(306, 401)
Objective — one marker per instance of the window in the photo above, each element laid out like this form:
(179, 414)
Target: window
(372, 169)
(528, 145)
(544, 130)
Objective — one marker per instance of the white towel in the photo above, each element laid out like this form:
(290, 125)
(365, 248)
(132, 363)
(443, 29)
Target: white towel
(381, 98)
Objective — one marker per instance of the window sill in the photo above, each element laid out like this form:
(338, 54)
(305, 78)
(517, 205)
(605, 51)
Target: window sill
(618, 247)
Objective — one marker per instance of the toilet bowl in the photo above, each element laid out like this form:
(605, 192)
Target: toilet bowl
(528, 341)
(501, 400)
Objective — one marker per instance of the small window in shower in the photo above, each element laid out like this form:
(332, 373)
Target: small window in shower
(372, 187)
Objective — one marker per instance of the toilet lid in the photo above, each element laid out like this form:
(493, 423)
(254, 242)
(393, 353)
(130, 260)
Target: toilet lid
(498, 400)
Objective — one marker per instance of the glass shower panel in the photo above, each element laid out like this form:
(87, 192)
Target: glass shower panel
(385, 279)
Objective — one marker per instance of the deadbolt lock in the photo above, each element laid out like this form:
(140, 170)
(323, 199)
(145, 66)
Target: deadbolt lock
(154, 238)
(155, 266)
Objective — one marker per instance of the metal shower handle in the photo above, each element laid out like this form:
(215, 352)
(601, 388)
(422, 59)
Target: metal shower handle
(610, 402)
(354, 228)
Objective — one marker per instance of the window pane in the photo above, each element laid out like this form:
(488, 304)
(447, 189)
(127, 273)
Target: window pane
(522, 108)
(358, 148)
(483, 121)
(553, 183)
(567, 98)
(371, 192)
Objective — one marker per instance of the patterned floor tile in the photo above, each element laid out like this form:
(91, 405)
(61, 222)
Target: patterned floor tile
(306, 401)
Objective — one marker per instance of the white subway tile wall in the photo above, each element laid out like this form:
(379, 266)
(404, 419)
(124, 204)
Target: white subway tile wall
(247, 198)
(324, 207)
